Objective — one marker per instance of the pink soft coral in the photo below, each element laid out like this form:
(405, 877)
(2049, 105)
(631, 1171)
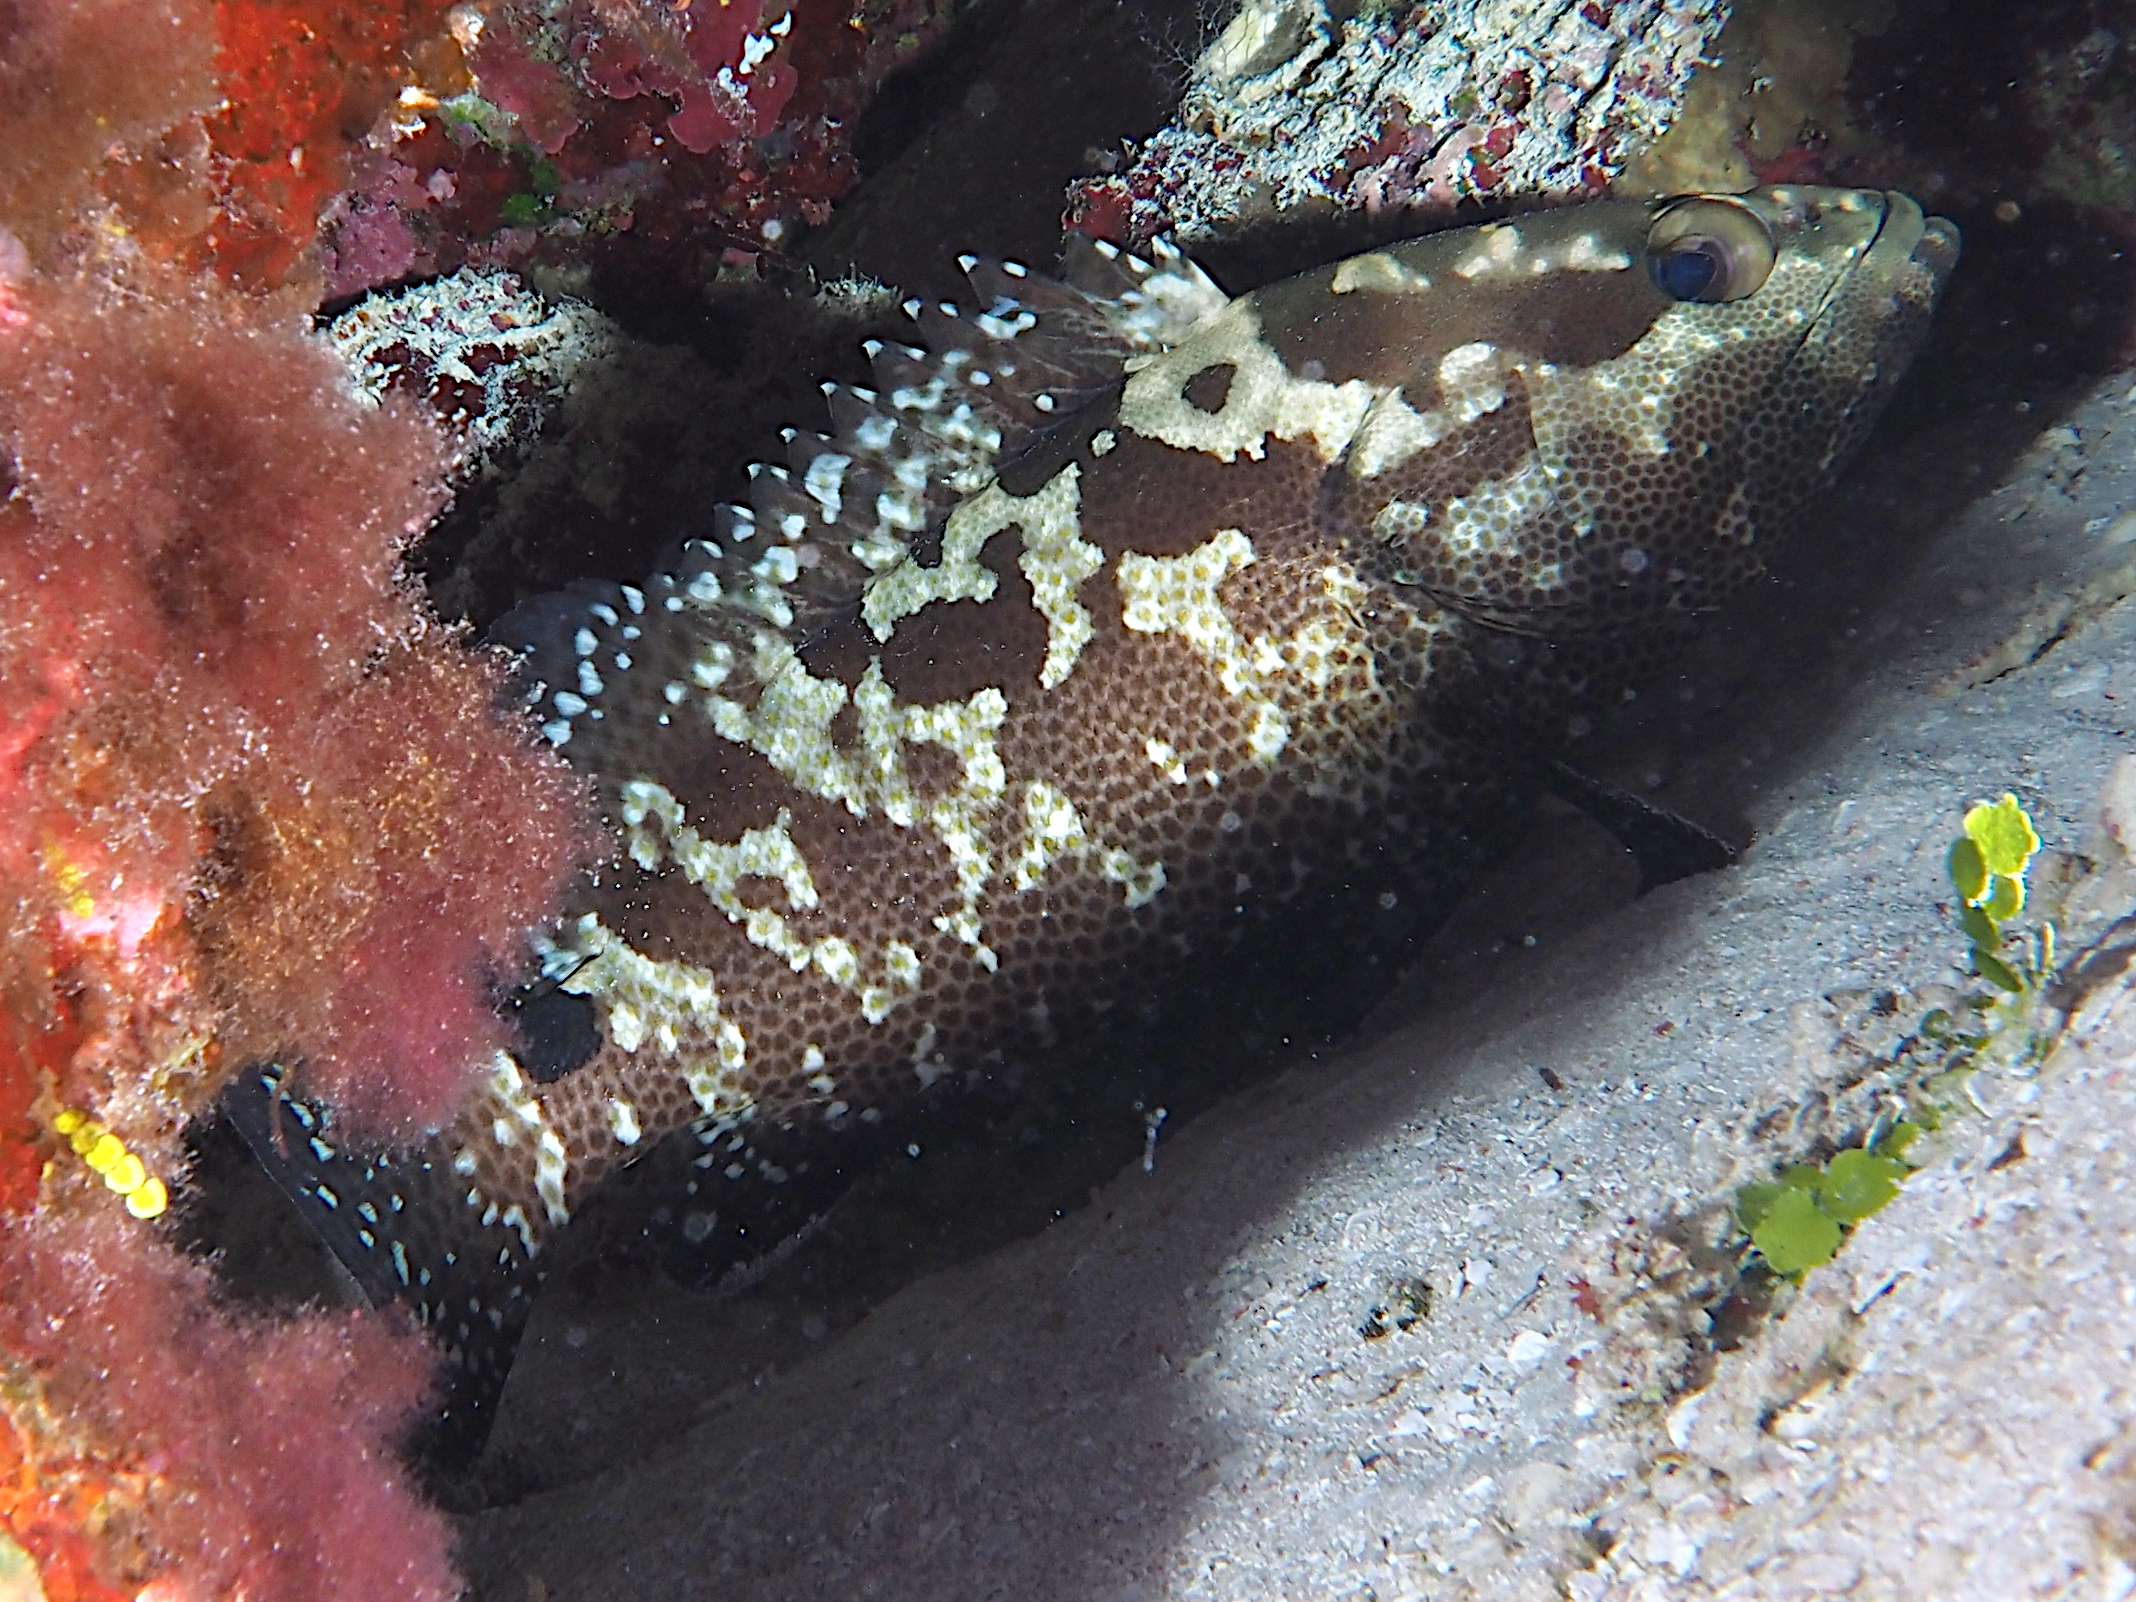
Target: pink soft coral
(238, 714)
(254, 801)
(248, 1458)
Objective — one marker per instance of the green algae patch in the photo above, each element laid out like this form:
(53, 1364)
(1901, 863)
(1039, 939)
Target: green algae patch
(1799, 1220)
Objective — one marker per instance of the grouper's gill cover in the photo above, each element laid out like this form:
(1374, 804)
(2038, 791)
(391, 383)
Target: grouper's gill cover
(1119, 630)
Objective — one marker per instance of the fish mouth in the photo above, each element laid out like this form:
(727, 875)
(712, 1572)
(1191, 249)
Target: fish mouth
(1907, 237)
(1938, 248)
(1909, 258)
(1874, 314)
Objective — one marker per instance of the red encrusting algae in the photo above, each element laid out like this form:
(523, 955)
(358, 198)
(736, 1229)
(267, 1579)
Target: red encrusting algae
(302, 83)
(319, 148)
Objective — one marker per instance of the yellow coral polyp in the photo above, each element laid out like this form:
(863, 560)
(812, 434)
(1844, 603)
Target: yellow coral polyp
(123, 1172)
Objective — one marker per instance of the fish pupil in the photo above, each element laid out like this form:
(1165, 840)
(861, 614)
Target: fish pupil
(1687, 270)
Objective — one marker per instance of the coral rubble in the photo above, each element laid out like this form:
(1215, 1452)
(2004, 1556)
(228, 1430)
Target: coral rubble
(1411, 106)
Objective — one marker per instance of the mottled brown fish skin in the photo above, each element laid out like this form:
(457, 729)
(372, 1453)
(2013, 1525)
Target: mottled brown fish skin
(1147, 622)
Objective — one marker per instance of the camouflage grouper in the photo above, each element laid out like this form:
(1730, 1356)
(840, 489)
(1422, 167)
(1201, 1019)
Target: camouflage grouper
(1122, 631)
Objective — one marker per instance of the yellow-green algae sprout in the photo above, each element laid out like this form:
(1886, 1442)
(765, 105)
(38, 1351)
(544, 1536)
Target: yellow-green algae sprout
(1798, 1221)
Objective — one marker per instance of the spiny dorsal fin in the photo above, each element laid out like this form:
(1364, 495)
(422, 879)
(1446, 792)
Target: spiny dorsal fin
(987, 382)
(1149, 304)
(578, 646)
(982, 386)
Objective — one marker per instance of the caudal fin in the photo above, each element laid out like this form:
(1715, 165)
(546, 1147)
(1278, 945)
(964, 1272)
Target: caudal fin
(399, 1223)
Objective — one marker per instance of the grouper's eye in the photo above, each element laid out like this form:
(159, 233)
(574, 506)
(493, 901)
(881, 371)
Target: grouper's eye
(1709, 250)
